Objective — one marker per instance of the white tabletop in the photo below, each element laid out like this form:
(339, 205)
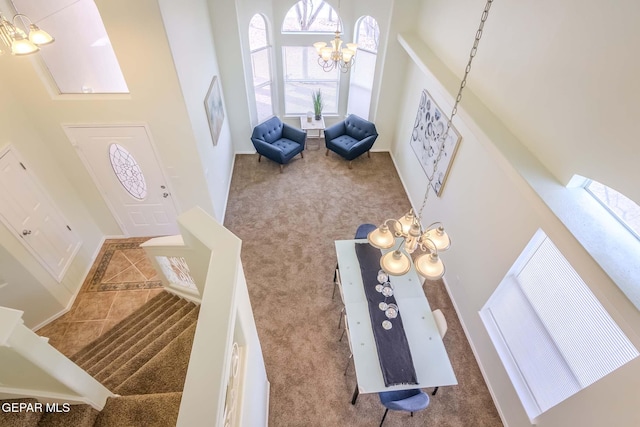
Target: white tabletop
(430, 359)
(313, 124)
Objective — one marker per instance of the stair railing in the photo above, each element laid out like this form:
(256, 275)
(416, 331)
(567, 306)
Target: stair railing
(31, 367)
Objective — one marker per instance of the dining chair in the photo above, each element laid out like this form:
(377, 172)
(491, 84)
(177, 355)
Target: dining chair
(362, 232)
(413, 400)
(345, 331)
(441, 323)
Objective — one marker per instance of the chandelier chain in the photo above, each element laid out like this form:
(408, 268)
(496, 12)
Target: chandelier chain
(454, 110)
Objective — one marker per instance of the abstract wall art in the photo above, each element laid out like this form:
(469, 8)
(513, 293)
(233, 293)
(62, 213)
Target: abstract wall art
(426, 140)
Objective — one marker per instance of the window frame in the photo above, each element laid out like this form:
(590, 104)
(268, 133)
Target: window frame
(617, 217)
(268, 47)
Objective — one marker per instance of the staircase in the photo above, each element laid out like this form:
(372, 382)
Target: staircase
(143, 359)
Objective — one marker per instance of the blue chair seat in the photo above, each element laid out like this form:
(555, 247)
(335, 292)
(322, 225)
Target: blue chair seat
(350, 138)
(288, 147)
(403, 400)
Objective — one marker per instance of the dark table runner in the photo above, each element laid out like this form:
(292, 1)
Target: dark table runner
(393, 348)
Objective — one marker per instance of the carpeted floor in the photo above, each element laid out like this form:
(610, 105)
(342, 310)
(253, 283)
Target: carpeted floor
(288, 223)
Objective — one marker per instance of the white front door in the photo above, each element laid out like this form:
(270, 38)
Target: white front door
(28, 212)
(123, 164)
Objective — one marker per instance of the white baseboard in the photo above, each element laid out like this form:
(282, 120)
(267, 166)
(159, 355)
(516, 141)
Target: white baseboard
(475, 354)
(72, 300)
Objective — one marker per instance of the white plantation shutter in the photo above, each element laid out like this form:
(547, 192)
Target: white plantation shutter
(553, 335)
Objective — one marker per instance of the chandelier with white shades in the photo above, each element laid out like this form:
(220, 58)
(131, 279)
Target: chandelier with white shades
(433, 239)
(17, 40)
(334, 55)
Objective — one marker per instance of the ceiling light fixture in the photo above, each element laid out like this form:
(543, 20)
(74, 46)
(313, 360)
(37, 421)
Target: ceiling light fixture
(18, 41)
(335, 56)
(432, 239)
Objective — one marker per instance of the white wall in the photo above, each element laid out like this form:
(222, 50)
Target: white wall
(491, 212)
(226, 29)
(560, 76)
(190, 36)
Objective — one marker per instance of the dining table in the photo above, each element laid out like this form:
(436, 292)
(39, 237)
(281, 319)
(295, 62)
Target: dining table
(427, 351)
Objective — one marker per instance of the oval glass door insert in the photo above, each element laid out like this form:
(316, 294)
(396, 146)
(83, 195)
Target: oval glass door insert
(127, 171)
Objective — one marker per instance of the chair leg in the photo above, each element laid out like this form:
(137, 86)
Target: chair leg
(335, 281)
(259, 157)
(347, 367)
(369, 154)
(350, 164)
(384, 416)
(302, 154)
(281, 168)
(435, 390)
(327, 153)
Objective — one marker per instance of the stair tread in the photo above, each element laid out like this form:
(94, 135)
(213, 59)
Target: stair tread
(134, 318)
(128, 364)
(127, 326)
(23, 418)
(166, 371)
(158, 410)
(78, 416)
(142, 327)
(136, 343)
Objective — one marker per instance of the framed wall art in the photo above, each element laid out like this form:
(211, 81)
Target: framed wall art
(214, 108)
(428, 130)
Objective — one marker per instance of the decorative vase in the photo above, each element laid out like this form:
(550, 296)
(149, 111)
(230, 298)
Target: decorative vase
(318, 116)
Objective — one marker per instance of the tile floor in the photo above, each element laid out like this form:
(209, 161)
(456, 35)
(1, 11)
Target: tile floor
(94, 313)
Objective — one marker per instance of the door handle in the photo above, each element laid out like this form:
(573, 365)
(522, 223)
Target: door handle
(26, 232)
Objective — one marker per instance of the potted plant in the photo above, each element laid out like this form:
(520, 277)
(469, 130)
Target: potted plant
(317, 103)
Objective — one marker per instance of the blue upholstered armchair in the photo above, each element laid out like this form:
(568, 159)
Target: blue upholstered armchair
(278, 141)
(351, 137)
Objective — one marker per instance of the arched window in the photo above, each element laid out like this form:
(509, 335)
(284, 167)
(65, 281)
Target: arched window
(363, 71)
(301, 73)
(260, 49)
(625, 210)
(314, 16)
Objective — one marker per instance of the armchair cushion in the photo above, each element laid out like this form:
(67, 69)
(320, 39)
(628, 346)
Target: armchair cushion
(351, 138)
(277, 141)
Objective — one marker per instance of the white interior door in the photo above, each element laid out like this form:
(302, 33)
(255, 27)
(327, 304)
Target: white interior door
(28, 212)
(123, 164)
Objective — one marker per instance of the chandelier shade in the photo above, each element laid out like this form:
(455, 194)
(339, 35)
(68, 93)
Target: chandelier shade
(438, 236)
(382, 237)
(430, 266)
(395, 263)
(335, 56)
(39, 37)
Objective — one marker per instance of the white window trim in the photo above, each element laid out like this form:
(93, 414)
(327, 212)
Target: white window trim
(608, 209)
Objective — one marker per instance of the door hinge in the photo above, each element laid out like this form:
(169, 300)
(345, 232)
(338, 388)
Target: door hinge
(23, 166)
(69, 228)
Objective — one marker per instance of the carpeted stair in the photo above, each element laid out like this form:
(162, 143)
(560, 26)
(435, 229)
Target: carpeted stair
(143, 359)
